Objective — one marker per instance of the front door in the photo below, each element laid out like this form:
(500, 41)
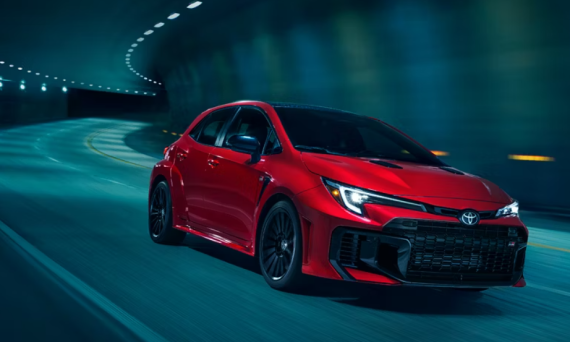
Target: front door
(233, 183)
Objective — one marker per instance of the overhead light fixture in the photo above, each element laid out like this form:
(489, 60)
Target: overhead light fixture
(130, 50)
(55, 78)
(47, 76)
(64, 80)
(145, 92)
(91, 85)
(128, 55)
(194, 4)
(136, 92)
(20, 68)
(11, 65)
(64, 89)
(148, 32)
(44, 87)
(146, 78)
(173, 16)
(127, 59)
(82, 83)
(159, 83)
(135, 45)
(1, 84)
(118, 89)
(100, 86)
(127, 90)
(140, 39)
(29, 71)
(72, 81)
(22, 86)
(108, 87)
(159, 25)
(1, 62)
(37, 73)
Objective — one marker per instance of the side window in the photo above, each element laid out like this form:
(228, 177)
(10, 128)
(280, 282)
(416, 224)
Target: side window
(249, 122)
(207, 131)
(272, 146)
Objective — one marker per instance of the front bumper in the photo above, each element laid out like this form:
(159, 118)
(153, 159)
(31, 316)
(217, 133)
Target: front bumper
(390, 249)
(431, 253)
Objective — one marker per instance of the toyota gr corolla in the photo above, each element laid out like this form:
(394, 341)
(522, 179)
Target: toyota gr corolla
(324, 192)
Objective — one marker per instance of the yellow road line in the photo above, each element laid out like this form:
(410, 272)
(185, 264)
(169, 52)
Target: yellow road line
(89, 143)
(549, 247)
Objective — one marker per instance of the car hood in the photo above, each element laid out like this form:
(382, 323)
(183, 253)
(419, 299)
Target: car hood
(412, 179)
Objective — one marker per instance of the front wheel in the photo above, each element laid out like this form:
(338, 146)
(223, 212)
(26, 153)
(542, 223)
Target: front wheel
(160, 217)
(280, 249)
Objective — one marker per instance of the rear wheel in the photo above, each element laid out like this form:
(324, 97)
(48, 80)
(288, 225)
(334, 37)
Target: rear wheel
(160, 217)
(280, 247)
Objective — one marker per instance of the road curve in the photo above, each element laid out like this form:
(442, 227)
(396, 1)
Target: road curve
(75, 191)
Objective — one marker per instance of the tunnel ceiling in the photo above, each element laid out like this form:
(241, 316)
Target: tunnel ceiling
(84, 44)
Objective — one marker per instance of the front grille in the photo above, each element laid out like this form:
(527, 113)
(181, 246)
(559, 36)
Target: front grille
(451, 251)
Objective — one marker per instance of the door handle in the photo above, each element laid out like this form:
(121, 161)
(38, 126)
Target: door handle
(213, 163)
(181, 156)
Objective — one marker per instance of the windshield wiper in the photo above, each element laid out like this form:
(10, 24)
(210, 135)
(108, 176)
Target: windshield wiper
(317, 149)
(368, 153)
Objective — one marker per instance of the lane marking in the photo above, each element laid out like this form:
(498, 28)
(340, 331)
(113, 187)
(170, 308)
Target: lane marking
(55, 160)
(89, 142)
(544, 288)
(94, 298)
(549, 247)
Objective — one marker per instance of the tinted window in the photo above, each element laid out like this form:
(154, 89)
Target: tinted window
(207, 131)
(272, 145)
(250, 122)
(324, 131)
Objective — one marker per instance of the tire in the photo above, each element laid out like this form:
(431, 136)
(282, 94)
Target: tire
(280, 261)
(160, 217)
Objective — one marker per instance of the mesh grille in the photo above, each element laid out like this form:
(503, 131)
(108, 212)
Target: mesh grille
(447, 247)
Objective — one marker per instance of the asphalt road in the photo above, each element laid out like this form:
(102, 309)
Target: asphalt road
(64, 191)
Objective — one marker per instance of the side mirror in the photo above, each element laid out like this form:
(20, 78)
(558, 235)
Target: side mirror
(246, 144)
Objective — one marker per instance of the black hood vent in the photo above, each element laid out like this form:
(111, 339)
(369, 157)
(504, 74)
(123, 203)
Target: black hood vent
(383, 163)
(452, 170)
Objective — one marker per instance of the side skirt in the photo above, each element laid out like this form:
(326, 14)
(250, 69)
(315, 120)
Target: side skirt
(217, 239)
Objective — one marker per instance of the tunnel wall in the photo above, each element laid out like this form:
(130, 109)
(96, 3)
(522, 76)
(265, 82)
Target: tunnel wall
(480, 79)
(21, 107)
(86, 103)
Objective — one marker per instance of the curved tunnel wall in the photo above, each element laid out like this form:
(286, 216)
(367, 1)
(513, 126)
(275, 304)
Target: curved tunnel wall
(478, 79)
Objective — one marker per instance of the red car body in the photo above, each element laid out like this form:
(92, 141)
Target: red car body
(218, 195)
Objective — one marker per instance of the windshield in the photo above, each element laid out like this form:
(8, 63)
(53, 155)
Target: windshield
(332, 132)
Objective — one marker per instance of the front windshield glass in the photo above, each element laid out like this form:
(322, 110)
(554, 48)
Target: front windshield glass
(332, 132)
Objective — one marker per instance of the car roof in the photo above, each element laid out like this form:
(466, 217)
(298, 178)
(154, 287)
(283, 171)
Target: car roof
(308, 107)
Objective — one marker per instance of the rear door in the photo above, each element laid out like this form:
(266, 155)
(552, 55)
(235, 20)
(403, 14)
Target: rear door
(232, 183)
(192, 160)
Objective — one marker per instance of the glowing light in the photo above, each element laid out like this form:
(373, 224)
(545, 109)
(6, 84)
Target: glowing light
(173, 133)
(135, 45)
(194, 4)
(44, 88)
(55, 78)
(140, 39)
(1, 62)
(64, 89)
(148, 32)
(11, 65)
(130, 50)
(1, 84)
(37, 73)
(20, 68)
(128, 55)
(173, 16)
(29, 71)
(440, 153)
(531, 158)
(159, 25)
(23, 86)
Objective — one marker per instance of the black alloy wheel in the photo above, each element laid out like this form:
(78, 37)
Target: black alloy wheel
(280, 247)
(160, 217)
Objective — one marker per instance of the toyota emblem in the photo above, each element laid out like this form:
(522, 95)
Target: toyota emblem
(469, 217)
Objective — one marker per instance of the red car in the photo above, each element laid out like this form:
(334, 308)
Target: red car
(324, 192)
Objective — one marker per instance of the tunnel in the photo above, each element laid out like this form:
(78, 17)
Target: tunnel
(94, 95)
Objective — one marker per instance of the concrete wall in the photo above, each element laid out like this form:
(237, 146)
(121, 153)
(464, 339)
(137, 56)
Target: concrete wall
(480, 79)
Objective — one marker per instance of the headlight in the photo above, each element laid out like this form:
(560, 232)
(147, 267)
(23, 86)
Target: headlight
(354, 199)
(511, 209)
